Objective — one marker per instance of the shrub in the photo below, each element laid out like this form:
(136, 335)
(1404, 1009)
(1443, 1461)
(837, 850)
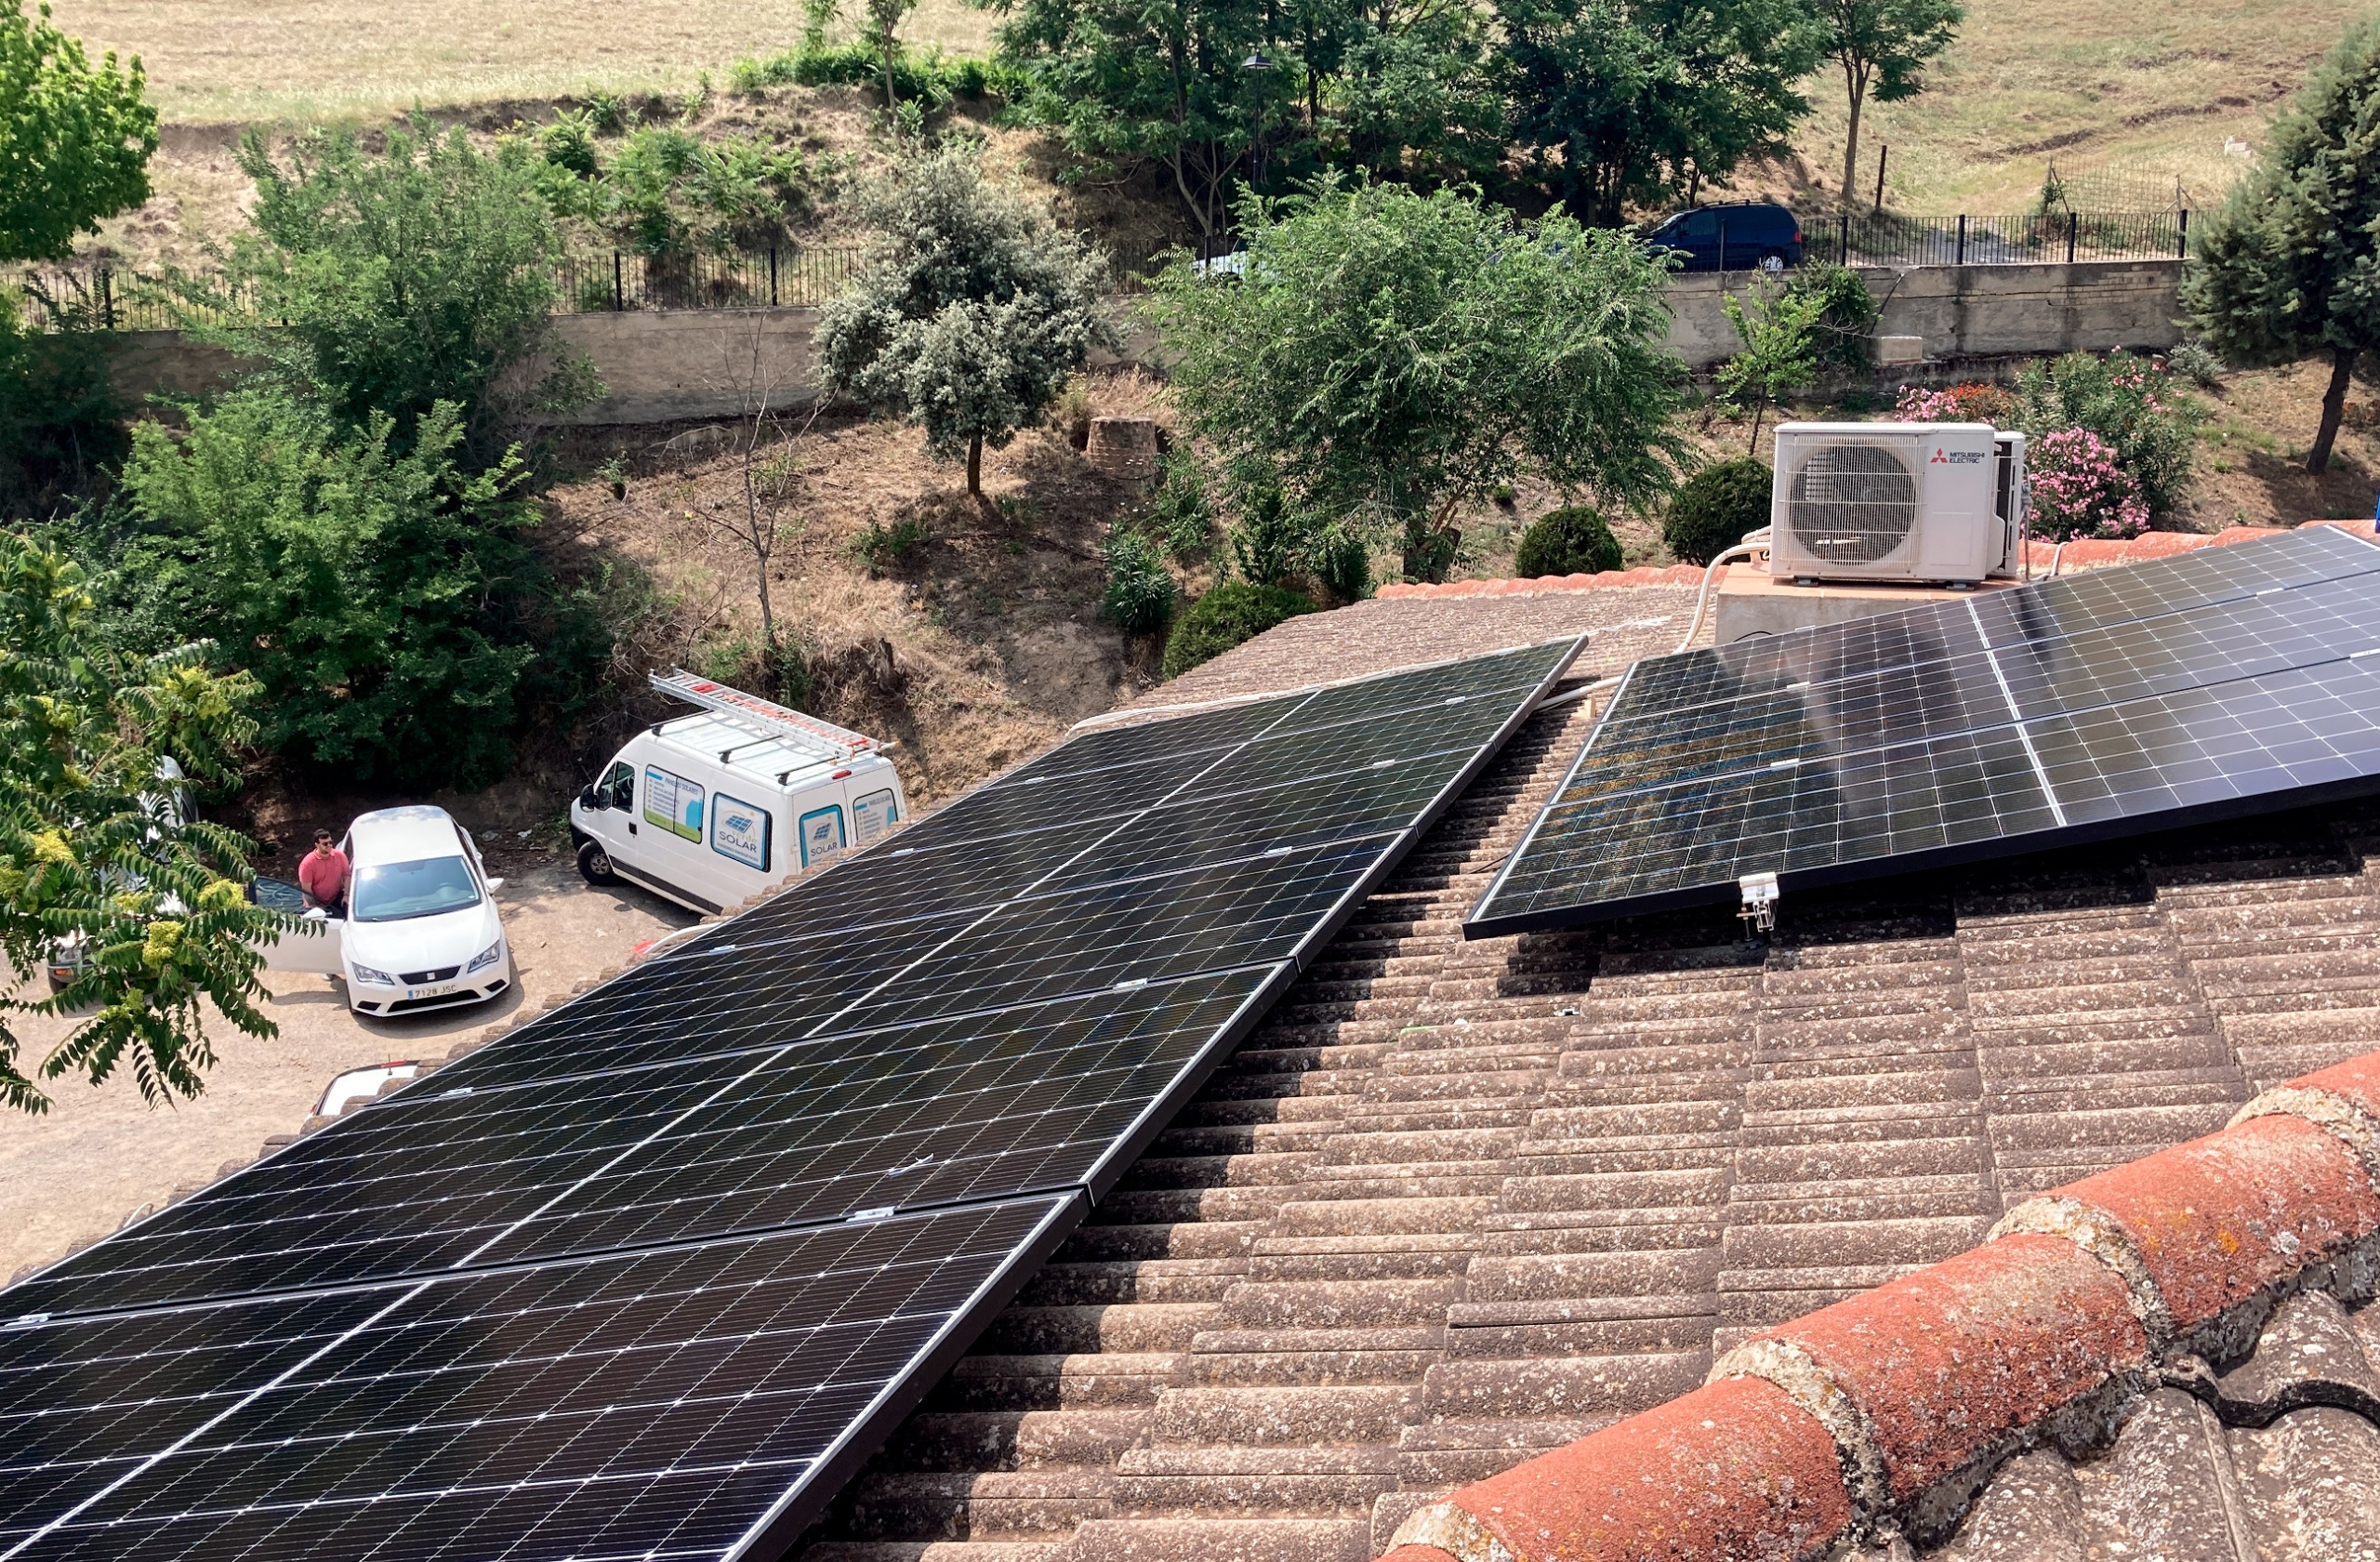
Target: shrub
(1715, 508)
(1847, 322)
(1180, 510)
(569, 143)
(1140, 593)
(1995, 404)
(1572, 541)
(2130, 405)
(928, 76)
(2199, 362)
(62, 422)
(884, 548)
(1233, 613)
(2080, 490)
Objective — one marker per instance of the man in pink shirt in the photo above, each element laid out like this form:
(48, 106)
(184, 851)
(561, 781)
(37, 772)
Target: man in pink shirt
(324, 876)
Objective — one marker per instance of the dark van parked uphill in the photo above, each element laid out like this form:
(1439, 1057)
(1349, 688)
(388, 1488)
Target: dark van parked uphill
(1754, 234)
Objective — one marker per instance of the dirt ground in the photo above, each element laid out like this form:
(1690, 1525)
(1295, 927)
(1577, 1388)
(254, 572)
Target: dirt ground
(974, 641)
(74, 1174)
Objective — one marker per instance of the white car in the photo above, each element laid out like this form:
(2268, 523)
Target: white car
(421, 929)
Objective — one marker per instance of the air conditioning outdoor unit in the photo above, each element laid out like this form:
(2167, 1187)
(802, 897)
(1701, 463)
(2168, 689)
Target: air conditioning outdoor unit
(1921, 502)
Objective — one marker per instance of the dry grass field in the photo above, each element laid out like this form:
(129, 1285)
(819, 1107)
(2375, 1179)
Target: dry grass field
(214, 60)
(2144, 94)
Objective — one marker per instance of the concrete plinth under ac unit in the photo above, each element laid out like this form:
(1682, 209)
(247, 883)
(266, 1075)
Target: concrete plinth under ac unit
(1750, 604)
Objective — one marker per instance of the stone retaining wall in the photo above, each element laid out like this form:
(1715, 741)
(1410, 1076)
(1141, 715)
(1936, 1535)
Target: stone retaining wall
(667, 365)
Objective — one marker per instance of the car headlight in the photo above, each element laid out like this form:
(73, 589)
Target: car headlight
(485, 958)
(379, 978)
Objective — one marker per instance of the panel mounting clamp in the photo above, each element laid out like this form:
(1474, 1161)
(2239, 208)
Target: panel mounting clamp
(1759, 912)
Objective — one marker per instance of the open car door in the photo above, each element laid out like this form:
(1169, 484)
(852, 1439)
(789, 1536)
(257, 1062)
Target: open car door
(319, 946)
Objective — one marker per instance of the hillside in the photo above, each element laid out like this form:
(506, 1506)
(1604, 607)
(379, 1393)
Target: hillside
(2131, 98)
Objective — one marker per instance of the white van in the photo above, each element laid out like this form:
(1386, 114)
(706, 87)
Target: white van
(711, 809)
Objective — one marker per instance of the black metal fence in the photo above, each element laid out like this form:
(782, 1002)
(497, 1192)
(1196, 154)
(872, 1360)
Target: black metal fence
(1890, 239)
(751, 279)
(105, 298)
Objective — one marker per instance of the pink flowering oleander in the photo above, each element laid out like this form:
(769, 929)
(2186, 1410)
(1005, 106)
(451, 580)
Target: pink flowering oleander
(2080, 492)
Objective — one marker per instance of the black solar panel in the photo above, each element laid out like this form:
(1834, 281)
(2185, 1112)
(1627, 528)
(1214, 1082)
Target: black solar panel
(359, 1346)
(678, 1402)
(2216, 682)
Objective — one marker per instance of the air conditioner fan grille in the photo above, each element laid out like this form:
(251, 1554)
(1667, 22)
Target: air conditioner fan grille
(1852, 504)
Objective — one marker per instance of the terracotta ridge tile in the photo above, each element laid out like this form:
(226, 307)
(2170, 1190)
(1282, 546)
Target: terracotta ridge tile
(2091, 551)
(1891, 1409)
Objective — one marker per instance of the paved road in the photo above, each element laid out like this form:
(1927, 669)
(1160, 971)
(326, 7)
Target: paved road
(74, 1172)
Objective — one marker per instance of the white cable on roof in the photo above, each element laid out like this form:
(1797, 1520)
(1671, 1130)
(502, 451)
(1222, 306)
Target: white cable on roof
(1753, 542)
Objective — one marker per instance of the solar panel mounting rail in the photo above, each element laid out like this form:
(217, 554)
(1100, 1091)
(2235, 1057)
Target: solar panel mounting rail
(649, 1276)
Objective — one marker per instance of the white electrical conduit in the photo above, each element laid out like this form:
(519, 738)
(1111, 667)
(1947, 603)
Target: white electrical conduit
(1753, 542)
(1571, 695)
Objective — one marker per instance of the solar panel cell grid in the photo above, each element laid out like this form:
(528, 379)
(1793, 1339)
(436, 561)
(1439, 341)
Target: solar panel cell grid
(604, 1407)
(614, 1284)
(2215, 681)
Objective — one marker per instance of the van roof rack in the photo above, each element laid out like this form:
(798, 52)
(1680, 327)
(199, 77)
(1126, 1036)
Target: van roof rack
(766, 717)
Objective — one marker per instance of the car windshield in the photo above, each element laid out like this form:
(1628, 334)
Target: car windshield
(392, 892)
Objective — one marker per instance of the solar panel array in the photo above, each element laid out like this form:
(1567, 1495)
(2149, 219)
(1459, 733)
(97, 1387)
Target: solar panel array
(649, 1276)
(2216, 682)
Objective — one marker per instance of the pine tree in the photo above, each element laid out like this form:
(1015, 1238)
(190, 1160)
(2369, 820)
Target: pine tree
(2291, 266)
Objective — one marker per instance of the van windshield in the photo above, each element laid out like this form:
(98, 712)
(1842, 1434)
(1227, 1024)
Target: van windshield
(393, 892)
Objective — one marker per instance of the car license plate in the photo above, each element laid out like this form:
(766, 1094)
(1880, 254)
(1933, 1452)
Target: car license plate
(440, 991)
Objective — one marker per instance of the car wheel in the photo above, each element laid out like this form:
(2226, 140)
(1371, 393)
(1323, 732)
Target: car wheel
(595, 863)
(1772, 260)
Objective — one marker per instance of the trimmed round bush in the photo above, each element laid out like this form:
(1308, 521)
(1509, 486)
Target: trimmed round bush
(1712, 509)
(1232, 613)
(1573, 540)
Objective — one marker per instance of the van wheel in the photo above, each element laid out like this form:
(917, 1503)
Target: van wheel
(595, 863)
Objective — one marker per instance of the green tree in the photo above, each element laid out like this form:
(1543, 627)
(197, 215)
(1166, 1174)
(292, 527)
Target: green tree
(1882, 47)
(1778, 328)
(1125, 85)
(95, 849)
(883, 23)
(382, 598)
(2290, 266)
(397, 279)
(74, 141)
(972, 313)
(1389, 357)
(1620, 104)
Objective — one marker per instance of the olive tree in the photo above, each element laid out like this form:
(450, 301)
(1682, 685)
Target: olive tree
(2290, 266)
(94, 850)
(972, 313)
(1388, 357)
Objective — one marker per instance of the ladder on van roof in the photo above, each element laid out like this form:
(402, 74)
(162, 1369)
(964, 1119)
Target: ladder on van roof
(807, 733)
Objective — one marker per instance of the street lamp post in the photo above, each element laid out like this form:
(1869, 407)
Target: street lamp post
(1259, 70)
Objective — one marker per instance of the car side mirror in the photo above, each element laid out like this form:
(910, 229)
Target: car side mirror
(493, 885)
(588, 799)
